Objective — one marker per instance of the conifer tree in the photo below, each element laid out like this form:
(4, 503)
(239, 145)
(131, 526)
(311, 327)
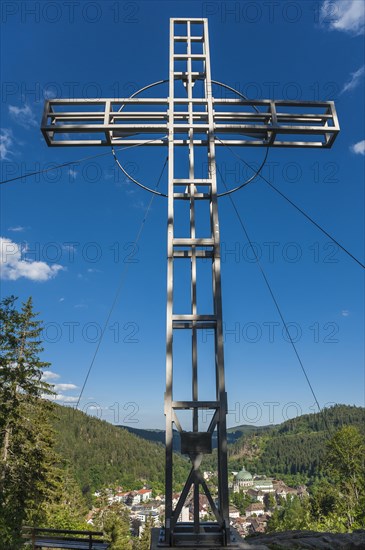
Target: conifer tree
(145, 540)
(345, 466)
(27, 473)
(115, 523)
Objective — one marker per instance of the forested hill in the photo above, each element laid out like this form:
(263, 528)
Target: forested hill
(296, 446)
(334, 417)
(99, 453)
(158, 436)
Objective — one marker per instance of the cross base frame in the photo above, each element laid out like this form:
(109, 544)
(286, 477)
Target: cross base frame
(209, 537)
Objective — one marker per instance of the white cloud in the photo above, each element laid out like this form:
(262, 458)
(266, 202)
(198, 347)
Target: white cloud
(64, 387)
(358, 148)
(60, 397)
(61, 300)
(23, 116)
(344, 15)
(59, 388)
(345, 313)
(49, 375)
(355, 79)
(13, 267)
(6, 143)
(17, 228)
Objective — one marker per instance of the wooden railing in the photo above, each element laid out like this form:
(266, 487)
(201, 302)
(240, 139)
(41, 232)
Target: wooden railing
(40, 537)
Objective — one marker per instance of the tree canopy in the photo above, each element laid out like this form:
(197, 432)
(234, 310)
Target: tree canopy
(28, 473)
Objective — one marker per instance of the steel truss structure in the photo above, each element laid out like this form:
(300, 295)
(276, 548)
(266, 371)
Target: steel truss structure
(190, 118)
(261, 122)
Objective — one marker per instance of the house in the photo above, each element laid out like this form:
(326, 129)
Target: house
(284, 491)
(133, 498)
(256, 494)
(258, 526)
(157, 504)
(175, 499)
(144, 514)
(145, 494)
(240, 523)
(255, 508)
(121, 497)
(204, 506)
(184, 515)
(233, 512)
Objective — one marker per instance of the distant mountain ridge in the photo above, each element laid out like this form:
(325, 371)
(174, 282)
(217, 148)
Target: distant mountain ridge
(158, 436)
(295, 446)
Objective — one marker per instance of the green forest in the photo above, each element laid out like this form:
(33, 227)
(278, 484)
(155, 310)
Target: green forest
(98, 453)
(297, 446)
(54, 458)
(293, 449)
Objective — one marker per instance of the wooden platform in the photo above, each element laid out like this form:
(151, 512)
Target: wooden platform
(37, 538)
(70, 545)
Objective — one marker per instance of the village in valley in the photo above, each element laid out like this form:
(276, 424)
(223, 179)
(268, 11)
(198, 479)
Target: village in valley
(252, 501)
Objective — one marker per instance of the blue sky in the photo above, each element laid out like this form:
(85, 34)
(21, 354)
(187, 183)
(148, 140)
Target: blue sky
(68, 236)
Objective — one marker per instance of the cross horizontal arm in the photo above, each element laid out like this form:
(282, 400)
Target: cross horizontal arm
(272, 123)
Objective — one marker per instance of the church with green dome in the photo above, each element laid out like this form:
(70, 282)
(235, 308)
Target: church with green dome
(242, 480)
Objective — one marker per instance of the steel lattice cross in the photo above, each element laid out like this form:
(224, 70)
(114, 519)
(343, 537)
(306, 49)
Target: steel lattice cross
(190, 117)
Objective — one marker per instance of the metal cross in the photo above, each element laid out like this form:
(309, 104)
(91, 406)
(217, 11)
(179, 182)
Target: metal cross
(190, 118)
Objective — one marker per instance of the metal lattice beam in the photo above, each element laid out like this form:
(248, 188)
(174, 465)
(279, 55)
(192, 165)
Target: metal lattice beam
(263, 122)
(196, 442)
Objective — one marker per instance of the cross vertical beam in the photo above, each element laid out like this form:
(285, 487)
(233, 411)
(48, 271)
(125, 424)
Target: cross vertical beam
(194, 343)
(195, 248)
